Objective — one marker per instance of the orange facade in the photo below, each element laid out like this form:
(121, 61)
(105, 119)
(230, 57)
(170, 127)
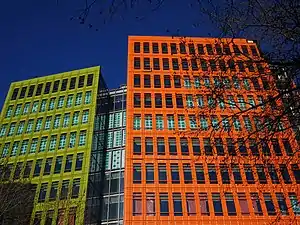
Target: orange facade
(179, 171)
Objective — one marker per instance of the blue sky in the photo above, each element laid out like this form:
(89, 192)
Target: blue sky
(38, 38)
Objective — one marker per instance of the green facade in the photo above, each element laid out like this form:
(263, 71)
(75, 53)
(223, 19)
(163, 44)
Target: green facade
(45, 137)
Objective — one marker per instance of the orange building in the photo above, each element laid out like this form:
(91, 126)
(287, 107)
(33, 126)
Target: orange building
(188, 160)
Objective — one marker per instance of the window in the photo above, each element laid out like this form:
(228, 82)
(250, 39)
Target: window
(156, 64)
(243, 204)
(224, 174)
(184, 64)
(282, 204)
(159, 122)
(276, 147)
(160, 146)
(273, 174)
(48, 165)
(196, 146)
(11, 130)
(33, 146)
(52, 145)
(217, 82)
(294, 203)
(64, 189)
(249, 173)
(157, 83)
(241, 66)
(85, 116)
(247, 123)
(253, 147)
(245, 50)
(137, 47)
(82, 138)
(269, 204)
(30, 91)
(136, 146)
(18, 110)
(137, 174)
(24, 147)
(20, 128)
(187, 82)
(150, 204)
(241, 102)
(9, 111)
(217, 204)
(222, 65)
(137, 122)
(149, 146)
(79, 161)
(171, 122)
(147, 81)
(164, 204)
(226, 49)
(175, 64)
(169, 101)
(230, 204)
(15, 148)
(42, 193)
(209, 49)
(172, 146)
(173, 48)
(179, 101)
(187, 173)
(200, 101)
(206, 82)
(204, 206)
(181, 122)
(207, 147)
(246, 84)
(296, 172)
(194, 64)
(177, 204)
(3, 130)
(200, 173)
(155, 47)
(137, 63)
(177, 81)
(158, 101)
(75, 119)
(68, 165)
(175, 173)
(193, 122)
(38, 125)
(231, 146)
(256, 204)
(137, 80)
(137, 204)
(78, 99)
(167, 81)
(182, 48)
(191, 49)
(148, 122)
(29, 126)
(236, 174)
(149, 173)
(212, 173)
(43, 144)
(255, 83)
(189, 101)
(261, 174)
(285, 174)
(56, 123)
(15, 94)
(200, 49)
(53, 191)
(75, 188)
(213, 65)
(219, 146)
(203, 64)
(203, 123)
(146, 47)
(27, 169)
(218, 49)
(147, 65)
(287, 146)
(37, 168)
(162, 173)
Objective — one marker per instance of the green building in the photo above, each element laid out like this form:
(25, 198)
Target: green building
(46, 136)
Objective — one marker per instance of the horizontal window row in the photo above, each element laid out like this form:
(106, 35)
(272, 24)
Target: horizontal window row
(210, 146)
(45, 123)
(186, 173)
(233, 102)
(60, 217)
(42, 167)
(192, 49)
(59, 190)
(215, 203)
(115, 120)
(52, 87)
(113, 183)
(196, 64)
(46, 105)
(206, 123)
(45, 143)
(217, 82)
(113, 208)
